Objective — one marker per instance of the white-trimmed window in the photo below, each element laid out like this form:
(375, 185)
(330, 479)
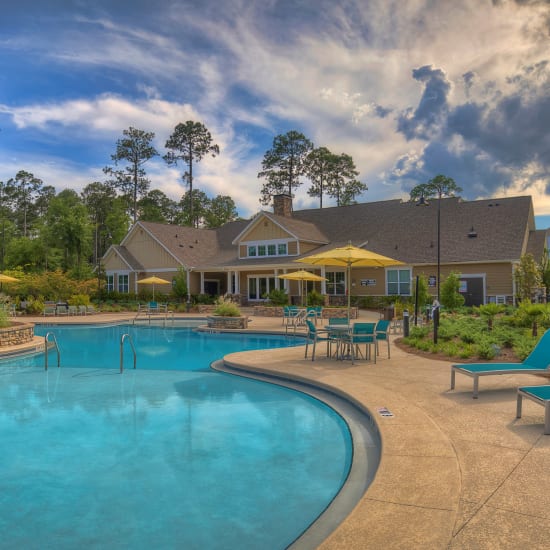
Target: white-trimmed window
(110, 283)
(259, 286)
(123, 285)
(336, 283)
(267, 248)
(398, 282)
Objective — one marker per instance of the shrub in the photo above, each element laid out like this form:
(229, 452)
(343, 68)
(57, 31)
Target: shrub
(277, 297)
(226, 309)
(314, 298)
(450, 295)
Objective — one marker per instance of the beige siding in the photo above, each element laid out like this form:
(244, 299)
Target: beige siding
(243, 251)
(292, 248)
(363, 273)
(265, 230)
(114, 262)
(498, 276)
(148, 251)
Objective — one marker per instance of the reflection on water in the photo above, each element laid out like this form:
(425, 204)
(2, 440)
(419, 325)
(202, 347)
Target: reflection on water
(164, 459)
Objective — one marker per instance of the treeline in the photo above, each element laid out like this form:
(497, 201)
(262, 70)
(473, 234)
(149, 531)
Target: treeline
(41, 230)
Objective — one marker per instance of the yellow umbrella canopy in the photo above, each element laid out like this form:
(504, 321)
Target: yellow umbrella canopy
(7, 279)
(153, 281)
(349, 256)
(302, 275)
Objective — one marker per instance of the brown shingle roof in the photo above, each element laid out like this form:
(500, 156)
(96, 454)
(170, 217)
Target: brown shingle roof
(394, 228)
(407, 232)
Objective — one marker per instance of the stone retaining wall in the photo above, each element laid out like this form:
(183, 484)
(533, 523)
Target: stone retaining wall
(16, 334)
(231, 323)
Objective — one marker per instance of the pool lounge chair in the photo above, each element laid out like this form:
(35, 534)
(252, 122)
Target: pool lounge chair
(540, 395)
(537, 362)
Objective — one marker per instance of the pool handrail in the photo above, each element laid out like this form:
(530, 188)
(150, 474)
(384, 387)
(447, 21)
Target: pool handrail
(46, 350)
(122, 338)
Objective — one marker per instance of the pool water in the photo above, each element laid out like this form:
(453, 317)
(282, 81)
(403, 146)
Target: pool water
(170, 455)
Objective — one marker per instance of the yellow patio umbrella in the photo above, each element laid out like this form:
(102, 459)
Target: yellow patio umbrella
(7, 279)
(349, 256)
(153, 281)
(302, 275)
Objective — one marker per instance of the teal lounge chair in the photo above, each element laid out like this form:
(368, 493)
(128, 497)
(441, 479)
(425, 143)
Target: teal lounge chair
(537, 362)
(540, 395)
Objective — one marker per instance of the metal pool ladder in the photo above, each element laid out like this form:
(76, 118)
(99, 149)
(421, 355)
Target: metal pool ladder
(124, 337)
(54, 341)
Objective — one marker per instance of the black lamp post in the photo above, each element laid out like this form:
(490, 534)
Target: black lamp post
(435, 313)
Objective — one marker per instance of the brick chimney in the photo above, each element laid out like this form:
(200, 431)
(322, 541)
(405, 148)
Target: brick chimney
(282, 205)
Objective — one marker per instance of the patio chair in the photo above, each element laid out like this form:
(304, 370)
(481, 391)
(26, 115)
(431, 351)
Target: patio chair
(82, 310)
(361, 333)
(297, 320)
(537, 362)
(91, 309)
(315, 335)
(48, 310)
(540, 395)
(382, 332)
(62, 309)
(73, 310)
(288, 313)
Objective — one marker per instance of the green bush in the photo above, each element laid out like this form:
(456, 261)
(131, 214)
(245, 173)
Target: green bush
(277, 297)
(314, 298)
(227, 309)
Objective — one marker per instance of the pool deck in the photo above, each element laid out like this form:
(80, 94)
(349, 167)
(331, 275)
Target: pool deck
(455, 472)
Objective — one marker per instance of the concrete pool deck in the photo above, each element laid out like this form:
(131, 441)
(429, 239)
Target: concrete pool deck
(455, 472)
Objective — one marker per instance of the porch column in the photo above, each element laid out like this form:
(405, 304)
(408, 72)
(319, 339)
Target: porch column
(228, 283)
(202, 282)
(237, 282)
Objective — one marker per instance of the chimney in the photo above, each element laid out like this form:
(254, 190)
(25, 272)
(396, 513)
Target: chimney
(282, 205)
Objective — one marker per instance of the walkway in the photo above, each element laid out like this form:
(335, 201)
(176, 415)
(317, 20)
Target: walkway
(455, 472)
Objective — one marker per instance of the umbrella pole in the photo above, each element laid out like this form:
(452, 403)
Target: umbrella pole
(349, 292)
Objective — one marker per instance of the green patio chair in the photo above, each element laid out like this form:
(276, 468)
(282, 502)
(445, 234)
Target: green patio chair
(540, 395)
(537, 362)
(315, 335)
(382, 332)
(361, 333)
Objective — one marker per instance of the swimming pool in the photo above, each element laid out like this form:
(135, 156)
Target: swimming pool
(171, 456)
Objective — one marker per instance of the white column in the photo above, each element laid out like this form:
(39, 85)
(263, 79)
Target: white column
(202, 282)
(229, 289)
(323, 283)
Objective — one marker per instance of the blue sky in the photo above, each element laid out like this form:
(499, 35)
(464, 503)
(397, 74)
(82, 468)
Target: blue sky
(409, 88)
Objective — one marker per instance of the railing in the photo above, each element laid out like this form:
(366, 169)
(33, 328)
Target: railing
(161, 312)
(124, 337)
(46, 350)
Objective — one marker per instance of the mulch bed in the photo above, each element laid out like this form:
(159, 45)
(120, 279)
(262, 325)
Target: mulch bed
(506, 355)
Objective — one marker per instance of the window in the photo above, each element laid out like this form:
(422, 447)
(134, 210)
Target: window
(110, 283)
(123, 283)
(267, 249)
(258, 287)
(398, 282)
(336, 283)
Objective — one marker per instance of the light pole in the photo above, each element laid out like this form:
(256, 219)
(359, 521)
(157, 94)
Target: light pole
(435, 310)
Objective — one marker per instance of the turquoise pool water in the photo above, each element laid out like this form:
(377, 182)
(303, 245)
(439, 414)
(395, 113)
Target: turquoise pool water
(175, 457)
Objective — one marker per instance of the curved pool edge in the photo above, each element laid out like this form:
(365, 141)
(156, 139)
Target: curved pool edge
(366, 446)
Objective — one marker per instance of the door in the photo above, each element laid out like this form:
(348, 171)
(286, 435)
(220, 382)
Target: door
(472, 290)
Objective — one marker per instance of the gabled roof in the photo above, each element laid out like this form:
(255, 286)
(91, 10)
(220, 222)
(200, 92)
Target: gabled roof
(492, 230)
(300, 230)
(124, 254)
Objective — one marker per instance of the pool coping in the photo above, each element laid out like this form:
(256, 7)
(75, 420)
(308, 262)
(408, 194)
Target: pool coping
(366, 449)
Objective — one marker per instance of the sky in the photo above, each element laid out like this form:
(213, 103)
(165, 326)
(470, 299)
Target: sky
(409, 88)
